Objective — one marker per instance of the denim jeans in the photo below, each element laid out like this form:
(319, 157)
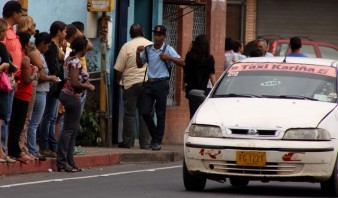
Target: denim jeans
(38, 109)
(83, 100)
(47, 126)
(4, 128)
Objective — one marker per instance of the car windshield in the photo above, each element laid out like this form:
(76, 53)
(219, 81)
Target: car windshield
(279, 80)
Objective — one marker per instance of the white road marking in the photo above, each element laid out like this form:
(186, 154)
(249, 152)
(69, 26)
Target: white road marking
(88, 177)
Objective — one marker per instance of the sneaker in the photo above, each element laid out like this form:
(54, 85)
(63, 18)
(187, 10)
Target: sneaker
(121, 145)
(41, 157)
(52, 154)
(156, 147)
(48, 153)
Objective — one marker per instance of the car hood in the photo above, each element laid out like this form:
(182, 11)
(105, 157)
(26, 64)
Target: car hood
(262, 112)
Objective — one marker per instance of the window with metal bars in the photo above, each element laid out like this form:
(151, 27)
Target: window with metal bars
(170, 17)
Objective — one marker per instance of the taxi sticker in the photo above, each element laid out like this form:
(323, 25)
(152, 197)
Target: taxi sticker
(271, 83)
(233, 74)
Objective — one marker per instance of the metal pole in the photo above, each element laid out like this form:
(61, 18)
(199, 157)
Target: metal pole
(103, 91)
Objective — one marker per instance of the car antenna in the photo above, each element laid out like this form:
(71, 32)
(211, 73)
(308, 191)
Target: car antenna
(286, 53)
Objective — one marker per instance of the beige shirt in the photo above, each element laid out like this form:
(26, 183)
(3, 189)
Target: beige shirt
(126, 62)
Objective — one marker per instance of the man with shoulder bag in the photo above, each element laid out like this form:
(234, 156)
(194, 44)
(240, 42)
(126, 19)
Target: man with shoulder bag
(159, 57)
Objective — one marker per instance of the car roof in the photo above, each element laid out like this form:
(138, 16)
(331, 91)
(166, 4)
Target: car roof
(299, 60)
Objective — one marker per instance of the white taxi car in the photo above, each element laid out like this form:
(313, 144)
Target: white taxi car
(267, 119)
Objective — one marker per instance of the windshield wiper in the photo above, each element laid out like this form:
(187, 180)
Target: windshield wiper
(290, 97)
(236, 95)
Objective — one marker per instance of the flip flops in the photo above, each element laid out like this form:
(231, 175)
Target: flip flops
(22, 160)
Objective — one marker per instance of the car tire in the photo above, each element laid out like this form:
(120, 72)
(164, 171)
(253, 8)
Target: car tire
(238, 182)
(330, 187)
(192, 183)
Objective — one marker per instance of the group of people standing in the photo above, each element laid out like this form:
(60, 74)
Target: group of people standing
(42, 75)
(260, 48)
(143, 69)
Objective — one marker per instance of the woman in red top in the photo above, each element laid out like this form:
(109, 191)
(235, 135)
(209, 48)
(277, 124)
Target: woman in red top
(27, 75)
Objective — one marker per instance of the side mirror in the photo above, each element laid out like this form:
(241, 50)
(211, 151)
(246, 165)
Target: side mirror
(197, 95)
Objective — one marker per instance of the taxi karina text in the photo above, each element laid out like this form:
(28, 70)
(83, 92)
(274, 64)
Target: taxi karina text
(291, 67)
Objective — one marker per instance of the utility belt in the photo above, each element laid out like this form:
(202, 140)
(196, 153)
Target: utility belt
(151, 80)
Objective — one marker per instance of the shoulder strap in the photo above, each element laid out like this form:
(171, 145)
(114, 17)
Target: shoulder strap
(147, 60)
(166, 64)
(146, 53)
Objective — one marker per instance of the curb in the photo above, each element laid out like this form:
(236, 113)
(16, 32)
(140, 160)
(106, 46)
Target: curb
(88, 161)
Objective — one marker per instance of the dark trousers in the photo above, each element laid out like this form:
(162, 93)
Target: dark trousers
(132, 119)
(155, 93)
(65, 154)
(193, 106)
(16, 124)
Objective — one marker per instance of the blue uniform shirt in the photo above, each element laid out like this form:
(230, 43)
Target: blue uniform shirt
(297, 55)
(156, 66)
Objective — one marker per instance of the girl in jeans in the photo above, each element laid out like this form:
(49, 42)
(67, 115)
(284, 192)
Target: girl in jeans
(42, 43)
(76, 81)
(47, 126)
(4, 96)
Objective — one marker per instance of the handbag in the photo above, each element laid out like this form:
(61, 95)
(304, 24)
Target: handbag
(5, 84)
(55, 89)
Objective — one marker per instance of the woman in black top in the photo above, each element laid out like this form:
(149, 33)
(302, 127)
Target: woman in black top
(47, 142)
(199, 68)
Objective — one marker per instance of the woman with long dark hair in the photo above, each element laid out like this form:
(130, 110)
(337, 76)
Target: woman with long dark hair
(199, 68)
(48, 144)
(42, 43)
(76, 81)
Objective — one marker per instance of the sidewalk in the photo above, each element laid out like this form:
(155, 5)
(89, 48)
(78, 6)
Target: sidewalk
(100, 156)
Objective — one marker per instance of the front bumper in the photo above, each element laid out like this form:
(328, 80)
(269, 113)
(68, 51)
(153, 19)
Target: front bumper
(285, 160)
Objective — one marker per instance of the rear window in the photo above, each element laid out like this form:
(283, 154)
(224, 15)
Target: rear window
(328, 52)
(308, 50)
(281, 49)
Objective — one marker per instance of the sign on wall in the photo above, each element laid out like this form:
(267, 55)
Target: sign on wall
(100, 5)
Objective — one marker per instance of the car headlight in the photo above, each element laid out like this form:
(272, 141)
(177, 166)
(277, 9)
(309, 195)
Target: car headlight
(205, 131)
(307, 134)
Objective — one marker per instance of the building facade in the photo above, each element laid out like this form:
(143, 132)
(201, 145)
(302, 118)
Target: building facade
(184, 19)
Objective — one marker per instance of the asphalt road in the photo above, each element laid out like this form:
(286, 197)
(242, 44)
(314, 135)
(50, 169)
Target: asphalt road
(139, 181)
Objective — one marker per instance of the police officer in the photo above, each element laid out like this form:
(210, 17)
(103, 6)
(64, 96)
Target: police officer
(159, 57)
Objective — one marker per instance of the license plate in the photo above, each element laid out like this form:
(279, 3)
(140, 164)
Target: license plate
(250, 158)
